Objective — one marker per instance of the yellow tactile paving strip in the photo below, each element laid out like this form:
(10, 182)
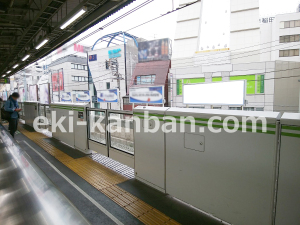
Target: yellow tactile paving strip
(104, 180)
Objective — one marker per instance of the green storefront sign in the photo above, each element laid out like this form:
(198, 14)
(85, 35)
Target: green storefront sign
(179, 87)
(250, 82)
(260, 84)
(216, 79)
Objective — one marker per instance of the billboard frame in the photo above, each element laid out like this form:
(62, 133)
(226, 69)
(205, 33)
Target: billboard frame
(163, 95)
(244, 94)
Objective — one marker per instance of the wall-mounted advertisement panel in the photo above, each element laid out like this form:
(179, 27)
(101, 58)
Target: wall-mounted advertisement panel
(83, 96)
(22, 94)
(66, 97)
(33, 93)
(148, 95)
(44, 93)
(155, 50)
(4, 96)
(219, 93)
(108, 96)
(57, 81)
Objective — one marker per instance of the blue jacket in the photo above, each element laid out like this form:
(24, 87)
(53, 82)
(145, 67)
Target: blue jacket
(10, 106)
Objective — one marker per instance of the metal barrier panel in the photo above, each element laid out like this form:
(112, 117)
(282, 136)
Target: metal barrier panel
(230, 175)
(118, 144)
(288, 197)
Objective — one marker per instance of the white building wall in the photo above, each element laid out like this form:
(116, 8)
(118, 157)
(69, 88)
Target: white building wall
(245, 31)
(187, 31)
(101, 75)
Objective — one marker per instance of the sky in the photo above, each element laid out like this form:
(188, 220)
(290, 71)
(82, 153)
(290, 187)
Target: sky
(166, 26)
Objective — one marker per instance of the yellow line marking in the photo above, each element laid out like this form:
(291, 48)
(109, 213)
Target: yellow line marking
(105, 180)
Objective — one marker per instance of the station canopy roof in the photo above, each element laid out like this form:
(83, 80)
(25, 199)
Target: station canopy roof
(26, 24)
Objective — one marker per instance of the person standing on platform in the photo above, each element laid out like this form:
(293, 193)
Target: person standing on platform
(12, 106)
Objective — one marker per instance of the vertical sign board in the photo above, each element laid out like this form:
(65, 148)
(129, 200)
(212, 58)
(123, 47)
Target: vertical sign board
(108, 96)
(22, 94)
(4, 96)
(57, 81)
(66, 97)
(44, 93)
(218, 93)
(148, 95)
(33, 93)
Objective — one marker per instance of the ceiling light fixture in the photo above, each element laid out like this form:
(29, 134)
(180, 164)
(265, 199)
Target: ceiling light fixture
(73, 18)
(15, 66)
(42, 44)
(8, 71)
(26, 57)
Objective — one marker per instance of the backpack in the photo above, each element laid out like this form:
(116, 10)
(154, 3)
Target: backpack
(4, 114)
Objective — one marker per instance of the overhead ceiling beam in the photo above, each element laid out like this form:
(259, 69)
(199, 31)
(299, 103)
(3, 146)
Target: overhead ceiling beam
(22, 22)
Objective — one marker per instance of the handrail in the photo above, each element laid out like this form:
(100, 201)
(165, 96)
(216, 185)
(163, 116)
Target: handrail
(96, 110)
(120, 111)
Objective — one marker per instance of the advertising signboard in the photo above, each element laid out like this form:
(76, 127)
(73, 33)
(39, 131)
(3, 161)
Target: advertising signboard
(44, 93)
(4, 81)
(110, 95)
(148, 95)
(155, 50)
(217, 93)
(93, 58)
(115, 53)
(4, 95)
(66, 97)
(83, 96)
(22, 94)
(33, 93)
(57, 81)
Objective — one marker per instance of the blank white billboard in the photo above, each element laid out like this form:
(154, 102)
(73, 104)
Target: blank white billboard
(219, 93)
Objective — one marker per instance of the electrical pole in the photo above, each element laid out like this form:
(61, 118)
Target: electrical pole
(114, 66)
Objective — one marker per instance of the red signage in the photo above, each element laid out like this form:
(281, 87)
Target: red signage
(58, 81)
(78, 48)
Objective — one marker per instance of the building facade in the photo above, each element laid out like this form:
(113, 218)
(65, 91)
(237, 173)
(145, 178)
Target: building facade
(264, 52)
(68, 74)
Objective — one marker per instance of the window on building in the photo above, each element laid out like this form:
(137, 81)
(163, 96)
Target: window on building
(79, 66)
(145, 79)
(235, 108)
(259, 109)
(80, 79)
(289, 38)
(107, 85)
(290, 24)
(289, 53)
(217, 107)
(248, 108)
